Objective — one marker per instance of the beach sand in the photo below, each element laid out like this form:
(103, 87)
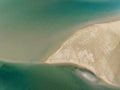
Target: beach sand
(97, 48)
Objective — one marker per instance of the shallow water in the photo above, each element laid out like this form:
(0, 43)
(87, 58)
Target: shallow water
(44, 77)
(31, 30)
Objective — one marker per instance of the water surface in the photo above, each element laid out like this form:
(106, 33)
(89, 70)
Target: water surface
(31, 30)
(44, 77)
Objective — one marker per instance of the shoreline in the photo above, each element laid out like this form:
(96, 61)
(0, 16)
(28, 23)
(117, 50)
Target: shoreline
(105, 78)
(112, 18)
(106, 19)
(109, 19)
(72, 31)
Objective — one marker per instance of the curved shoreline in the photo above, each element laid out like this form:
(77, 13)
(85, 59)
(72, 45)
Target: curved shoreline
(111, 18)
(111, 79)
(93, 59)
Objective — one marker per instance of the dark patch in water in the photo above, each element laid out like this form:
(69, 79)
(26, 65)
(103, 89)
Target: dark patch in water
(42, 77)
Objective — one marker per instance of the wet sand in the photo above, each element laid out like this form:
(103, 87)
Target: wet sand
(97, 48)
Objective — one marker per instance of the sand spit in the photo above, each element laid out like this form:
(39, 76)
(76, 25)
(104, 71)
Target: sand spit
(97, 48)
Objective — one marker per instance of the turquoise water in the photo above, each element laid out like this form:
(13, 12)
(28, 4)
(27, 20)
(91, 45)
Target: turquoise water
(43, 77)
(26, 26)
(31, 30)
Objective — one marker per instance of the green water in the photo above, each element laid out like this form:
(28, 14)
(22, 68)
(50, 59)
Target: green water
(43, 77)
(31, 30)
